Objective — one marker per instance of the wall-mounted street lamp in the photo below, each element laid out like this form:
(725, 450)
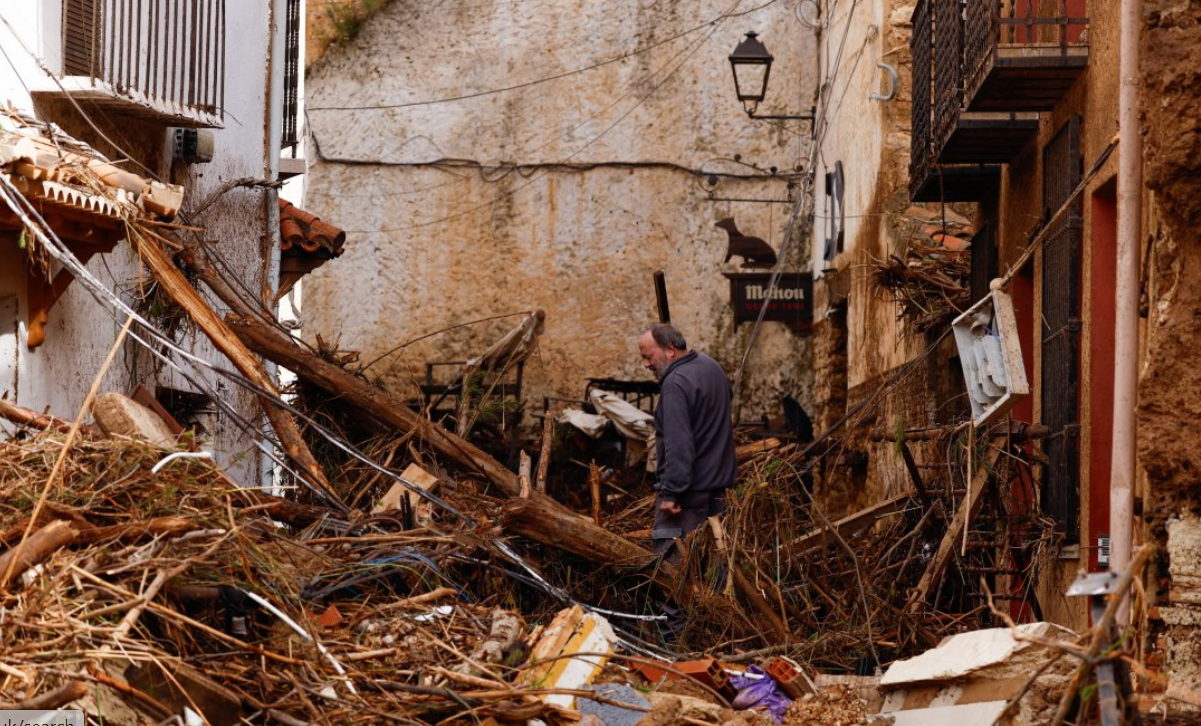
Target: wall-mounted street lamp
(752, 66)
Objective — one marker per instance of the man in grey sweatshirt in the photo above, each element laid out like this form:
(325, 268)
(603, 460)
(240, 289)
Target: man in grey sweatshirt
(694, 441)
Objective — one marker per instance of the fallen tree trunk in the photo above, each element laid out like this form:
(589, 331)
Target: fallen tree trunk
(182, 292)
(550, 524)
(553, 525)
(545, 521)
(33, 419)
(40, 545)
(277, 346)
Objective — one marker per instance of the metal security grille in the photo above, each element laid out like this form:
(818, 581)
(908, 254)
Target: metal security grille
(984, 262)
(169, 53)
(981, 28)
(291, 74)
(948, 69)
(921, 47)
(1062, 171)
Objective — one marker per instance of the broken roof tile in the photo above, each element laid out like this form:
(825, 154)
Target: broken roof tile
(50, 167)
(303, 232)
(305, 242)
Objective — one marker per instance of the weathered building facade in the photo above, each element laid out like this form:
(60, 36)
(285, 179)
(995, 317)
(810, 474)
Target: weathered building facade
(1007, 113)
(124, 78)
(493, 163)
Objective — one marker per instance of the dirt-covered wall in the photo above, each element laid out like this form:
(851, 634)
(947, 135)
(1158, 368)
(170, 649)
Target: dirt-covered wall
(1170, 382)
(81, 331)
(565, 195)
(861, 340)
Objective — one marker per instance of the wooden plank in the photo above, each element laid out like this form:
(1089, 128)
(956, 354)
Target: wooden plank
(746, 451)
(181, 291)
(548, 437)
(846, 526)
(946, 549)
(416, 475)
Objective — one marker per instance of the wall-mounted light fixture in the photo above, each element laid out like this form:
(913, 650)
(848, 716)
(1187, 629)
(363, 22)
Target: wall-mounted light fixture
(752, 67)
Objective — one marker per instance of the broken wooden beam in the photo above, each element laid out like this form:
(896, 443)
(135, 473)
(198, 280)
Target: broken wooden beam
(33, 419)
(278, 346)
(182, 292)
(846, 526)
(746, 451)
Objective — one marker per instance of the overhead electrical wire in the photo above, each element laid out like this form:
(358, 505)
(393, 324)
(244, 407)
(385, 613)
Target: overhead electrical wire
(688, 53)
(555, 77)
(113, 305)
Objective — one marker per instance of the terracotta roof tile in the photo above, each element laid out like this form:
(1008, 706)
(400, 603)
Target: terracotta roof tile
(306, 243)
(304, 233)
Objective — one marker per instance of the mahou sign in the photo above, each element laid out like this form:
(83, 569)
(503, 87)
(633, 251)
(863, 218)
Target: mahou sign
(790, 302)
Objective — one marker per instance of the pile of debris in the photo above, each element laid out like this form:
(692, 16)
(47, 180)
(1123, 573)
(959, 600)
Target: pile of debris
(932, 284)
(410, 576)
(135, 578)
(144, 584)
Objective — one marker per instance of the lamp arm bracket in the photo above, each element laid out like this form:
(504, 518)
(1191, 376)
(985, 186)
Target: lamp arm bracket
(892, 86)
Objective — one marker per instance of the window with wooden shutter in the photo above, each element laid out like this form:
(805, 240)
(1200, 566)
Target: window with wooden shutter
(82, 25)
(291, 75)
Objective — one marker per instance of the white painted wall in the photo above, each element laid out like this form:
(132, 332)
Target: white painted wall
(435, 240)
(871, 139)
(57, 375)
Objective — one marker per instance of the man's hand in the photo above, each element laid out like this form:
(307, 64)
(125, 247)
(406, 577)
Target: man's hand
(670, 507)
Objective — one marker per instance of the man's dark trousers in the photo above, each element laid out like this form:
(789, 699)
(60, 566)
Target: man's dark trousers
(696, 507)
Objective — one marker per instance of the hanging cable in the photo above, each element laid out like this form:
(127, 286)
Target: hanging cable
(555, 77)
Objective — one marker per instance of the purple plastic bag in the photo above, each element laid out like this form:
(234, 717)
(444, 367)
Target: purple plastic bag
(760, 694)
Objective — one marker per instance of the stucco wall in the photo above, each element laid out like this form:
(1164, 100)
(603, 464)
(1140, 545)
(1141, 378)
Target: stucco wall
(565, 195)
(57, 375)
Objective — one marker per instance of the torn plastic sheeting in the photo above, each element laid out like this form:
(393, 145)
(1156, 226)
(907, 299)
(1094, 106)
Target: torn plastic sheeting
(631, 421)
(439, 611)
(589, 423)
(514, 347)
(760, 693)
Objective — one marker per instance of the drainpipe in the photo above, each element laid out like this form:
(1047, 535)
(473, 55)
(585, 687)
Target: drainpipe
(278, 10)
(1125, 376)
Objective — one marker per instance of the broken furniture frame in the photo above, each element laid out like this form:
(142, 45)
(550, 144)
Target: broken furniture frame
(438, 393)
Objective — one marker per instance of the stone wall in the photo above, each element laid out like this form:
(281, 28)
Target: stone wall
(564, 195)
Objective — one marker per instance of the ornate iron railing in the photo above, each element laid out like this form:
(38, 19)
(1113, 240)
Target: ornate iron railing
(168, 55)
(1045, 24)
(291, 110)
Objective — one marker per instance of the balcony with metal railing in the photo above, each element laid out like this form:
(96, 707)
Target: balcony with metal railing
(161, 60)
(1023, 55)
(962, 129)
